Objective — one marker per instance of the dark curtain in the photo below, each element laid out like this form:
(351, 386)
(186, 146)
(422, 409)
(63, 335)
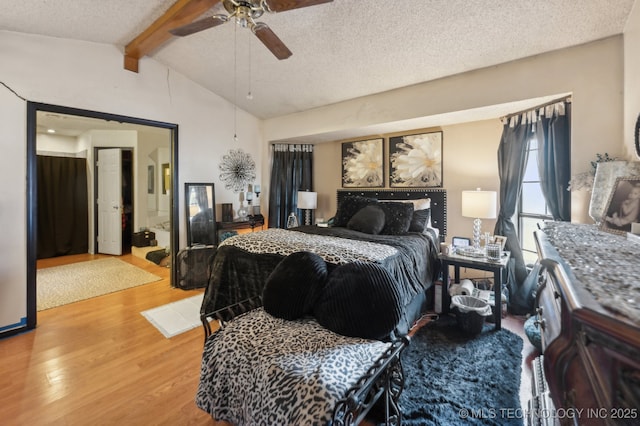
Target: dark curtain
(512, 158)
(292, 171)
(201, 225)
(63, 212)
(201, 197)
(553, 132)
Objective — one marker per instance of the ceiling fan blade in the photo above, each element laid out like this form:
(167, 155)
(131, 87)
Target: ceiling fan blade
(271, 40)
(202, 24)
(282, 5)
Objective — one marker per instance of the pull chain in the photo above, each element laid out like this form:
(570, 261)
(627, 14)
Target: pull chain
(235, 84)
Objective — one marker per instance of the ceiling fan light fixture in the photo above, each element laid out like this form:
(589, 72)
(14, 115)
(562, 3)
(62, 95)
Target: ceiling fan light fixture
(245, 12)
(243, 17)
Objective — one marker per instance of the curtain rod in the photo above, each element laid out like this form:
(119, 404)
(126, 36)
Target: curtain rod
(555, 101)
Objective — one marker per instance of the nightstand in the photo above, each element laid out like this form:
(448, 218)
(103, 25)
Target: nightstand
(479, 263)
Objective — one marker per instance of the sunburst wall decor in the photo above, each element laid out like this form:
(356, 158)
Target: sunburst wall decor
(237, 169)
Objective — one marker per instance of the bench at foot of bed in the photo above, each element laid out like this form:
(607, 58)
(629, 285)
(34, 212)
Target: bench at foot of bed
(262, 370)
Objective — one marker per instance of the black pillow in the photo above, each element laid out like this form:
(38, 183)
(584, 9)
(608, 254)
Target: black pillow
(397, 217)
(369, 220)
(360, 299)
(350, 206)
(294, 286)
(419, 220)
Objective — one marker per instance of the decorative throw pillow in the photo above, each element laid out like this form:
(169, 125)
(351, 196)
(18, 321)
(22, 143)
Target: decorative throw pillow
(360, 299)
(369, 220)
(350, 206)
(420, 220)
(421, 204)
(294, 286)
(397, 217)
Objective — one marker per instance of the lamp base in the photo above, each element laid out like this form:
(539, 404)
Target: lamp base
(477, 226)
(292, 221)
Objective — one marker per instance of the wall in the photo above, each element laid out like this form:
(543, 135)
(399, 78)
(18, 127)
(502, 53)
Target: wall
(91, 76)
(593, 73)
(13, 259)
(469, 161)
(631, 80)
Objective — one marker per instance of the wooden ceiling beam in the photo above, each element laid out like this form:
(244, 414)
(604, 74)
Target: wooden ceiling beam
(181, 13)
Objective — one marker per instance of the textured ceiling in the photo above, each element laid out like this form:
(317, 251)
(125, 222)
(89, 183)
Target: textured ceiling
(341, 50)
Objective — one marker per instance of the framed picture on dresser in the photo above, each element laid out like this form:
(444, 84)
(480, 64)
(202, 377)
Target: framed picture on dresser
(623, 207)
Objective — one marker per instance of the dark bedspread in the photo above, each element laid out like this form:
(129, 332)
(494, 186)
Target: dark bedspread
(238, 275)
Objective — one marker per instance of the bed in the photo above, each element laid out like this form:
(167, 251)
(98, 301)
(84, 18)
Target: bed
(161, 226)
(313, 319)
(243, 263)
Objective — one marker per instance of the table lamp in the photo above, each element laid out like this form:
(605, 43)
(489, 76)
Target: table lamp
(479, 205)
(307, 201)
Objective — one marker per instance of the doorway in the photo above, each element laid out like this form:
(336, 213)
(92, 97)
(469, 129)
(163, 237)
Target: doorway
(100, 127)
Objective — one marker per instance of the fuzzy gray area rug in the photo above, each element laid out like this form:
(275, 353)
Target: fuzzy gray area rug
(452, 378)
(60, 285)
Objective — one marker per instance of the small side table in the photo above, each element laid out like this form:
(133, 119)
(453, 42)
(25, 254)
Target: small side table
(480, 263)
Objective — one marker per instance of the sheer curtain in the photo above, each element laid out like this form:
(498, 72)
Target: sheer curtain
(292, 170)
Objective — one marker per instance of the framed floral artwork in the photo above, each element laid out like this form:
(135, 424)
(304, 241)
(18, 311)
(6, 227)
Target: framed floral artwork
(363, 164)
(415, 160)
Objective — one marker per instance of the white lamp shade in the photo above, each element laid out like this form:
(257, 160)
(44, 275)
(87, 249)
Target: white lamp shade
(480, 204)
(307, 200)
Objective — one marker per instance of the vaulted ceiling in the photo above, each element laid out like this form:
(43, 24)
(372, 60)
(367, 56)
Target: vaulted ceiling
(342, 49)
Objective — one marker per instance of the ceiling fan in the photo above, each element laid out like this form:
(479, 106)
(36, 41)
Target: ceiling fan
(245, 13)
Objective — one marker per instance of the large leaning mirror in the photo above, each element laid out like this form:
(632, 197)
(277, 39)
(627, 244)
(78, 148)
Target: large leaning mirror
(200, 213)
(135, 150)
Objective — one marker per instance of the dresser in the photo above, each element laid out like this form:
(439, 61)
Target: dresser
(588, 310)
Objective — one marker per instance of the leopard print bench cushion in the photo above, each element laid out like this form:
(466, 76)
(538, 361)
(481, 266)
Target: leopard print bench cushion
(263, 370)
(332, 249)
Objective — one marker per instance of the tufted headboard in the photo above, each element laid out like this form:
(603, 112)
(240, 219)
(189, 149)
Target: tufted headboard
(438, 198)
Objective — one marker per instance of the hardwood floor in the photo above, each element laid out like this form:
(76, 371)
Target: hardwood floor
(100, 362)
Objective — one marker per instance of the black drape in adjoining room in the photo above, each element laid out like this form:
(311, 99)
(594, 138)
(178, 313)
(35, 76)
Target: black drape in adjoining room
(292, 171)
(63, 211)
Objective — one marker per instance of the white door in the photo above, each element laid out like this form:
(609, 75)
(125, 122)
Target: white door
(110, 201)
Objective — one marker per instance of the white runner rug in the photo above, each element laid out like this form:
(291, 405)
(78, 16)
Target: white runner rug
(176, 317)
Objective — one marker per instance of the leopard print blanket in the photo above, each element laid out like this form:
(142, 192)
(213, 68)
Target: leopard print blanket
(332, 249)
(263, 370)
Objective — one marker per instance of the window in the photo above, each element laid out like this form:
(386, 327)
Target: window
(532, 208)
